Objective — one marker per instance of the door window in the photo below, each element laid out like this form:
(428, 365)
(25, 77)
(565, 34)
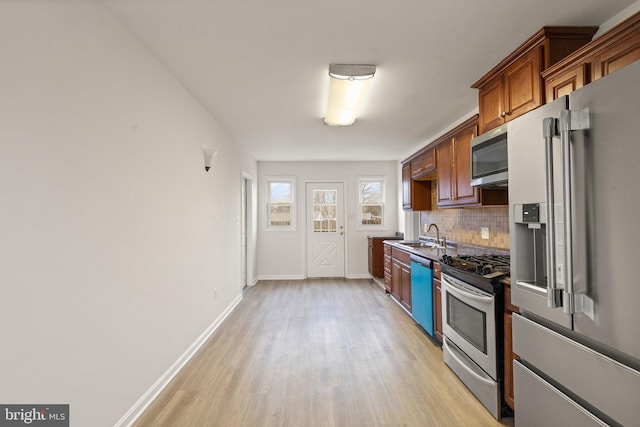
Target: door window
(324, 211)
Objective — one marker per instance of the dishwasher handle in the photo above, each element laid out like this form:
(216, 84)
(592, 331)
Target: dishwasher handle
(425, 262)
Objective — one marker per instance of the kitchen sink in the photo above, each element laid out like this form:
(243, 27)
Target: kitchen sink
(422, 245)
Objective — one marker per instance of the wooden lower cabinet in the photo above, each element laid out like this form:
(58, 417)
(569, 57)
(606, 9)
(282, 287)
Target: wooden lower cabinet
(437, 303)
(376, 255)
(406, 287)
(387, 268)
(509, 355)
(401, 277)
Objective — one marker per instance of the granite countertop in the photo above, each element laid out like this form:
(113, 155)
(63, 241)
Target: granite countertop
(453, 249)
(435, 253)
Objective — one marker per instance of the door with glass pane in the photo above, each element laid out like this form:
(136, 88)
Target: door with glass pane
(325, 229)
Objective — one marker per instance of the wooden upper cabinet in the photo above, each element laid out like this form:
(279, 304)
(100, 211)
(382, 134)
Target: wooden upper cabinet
(618, 47)
(423, 164)
(465, 193)
(453, 153)
(491, 104)
(611, 51)
(515, 86)
(454, 169)
(446, 177)
(416, 195)
(513, 93)
(522, 84)
(566, 82)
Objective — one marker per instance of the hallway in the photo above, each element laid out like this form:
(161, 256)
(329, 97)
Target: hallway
(317, 352)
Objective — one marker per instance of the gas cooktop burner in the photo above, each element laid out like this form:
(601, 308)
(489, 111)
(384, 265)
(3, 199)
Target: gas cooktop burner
(479, 264)
(480, 270)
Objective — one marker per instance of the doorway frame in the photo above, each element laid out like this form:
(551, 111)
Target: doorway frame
(247, 227)
(346, 220)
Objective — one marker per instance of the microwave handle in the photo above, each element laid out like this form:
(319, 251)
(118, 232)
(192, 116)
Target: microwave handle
(554, 295)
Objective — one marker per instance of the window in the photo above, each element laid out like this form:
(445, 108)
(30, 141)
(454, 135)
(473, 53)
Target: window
(371, 194)
(281, 204)
(324, 211)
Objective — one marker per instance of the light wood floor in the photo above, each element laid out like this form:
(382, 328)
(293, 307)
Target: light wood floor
(317, 352)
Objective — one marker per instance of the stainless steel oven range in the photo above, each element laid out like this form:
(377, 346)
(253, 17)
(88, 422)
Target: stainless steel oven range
(472, 306)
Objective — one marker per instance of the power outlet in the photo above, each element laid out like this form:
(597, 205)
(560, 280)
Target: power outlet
(484, 233)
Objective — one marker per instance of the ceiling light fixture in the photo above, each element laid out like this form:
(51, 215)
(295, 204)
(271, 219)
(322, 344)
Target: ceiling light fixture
(347, 87)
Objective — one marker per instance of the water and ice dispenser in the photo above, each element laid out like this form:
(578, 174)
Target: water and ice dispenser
(531, 244)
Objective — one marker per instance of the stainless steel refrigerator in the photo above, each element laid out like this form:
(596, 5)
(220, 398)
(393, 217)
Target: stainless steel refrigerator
(574, 200)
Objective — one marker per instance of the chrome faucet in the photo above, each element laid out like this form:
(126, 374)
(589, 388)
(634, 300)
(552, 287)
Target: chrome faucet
(437, 232)
(441, 244)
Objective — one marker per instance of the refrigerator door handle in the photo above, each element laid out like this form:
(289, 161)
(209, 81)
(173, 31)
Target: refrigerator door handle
(570, 121)
(554, 295)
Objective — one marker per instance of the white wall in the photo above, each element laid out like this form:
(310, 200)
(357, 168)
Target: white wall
(113, 239)
(281, 254)
(618, 18)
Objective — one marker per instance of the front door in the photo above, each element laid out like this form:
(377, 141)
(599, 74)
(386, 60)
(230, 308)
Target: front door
(325, 229)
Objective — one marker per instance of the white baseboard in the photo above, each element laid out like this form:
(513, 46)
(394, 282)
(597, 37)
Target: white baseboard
(359, 276)
(138, 408)
(302, 277)
(277, 277)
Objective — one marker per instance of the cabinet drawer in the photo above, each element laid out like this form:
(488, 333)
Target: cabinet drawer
(387, 263)
(387, 249)
(558, 408)
(599, 380)
(401, 256)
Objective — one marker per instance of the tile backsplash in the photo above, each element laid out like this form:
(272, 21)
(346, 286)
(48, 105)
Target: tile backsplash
(464, 224)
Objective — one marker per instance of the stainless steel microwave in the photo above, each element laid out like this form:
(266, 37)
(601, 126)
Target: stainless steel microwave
(489, 163)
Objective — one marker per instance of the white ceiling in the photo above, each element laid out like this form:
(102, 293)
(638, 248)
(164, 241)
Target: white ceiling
(260, 66)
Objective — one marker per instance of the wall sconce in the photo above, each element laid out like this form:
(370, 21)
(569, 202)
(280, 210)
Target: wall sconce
(347, 87)
(209, 155)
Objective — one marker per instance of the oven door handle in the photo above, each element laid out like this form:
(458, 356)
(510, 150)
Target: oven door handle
(454, 353)
(464, 294)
